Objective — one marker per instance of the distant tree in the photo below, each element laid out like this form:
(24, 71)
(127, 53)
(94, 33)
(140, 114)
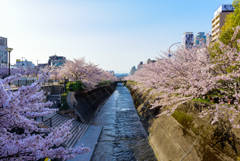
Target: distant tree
(88, 73)
(74, 69)
(4, 71)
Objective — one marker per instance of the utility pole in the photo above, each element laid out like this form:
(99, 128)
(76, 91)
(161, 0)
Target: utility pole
(37, 62)
(22, 61)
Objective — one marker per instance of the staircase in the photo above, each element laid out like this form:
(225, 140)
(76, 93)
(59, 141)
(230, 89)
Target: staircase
(77, 130)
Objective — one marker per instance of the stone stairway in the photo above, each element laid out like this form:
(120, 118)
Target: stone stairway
(77, 130)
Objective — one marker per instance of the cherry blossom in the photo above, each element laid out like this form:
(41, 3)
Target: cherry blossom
(20, 136)
(194, 73)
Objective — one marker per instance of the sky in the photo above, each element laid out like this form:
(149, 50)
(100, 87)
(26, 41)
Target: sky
(116, 34)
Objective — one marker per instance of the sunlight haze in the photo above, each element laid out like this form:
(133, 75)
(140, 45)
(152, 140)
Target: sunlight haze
(114, 34)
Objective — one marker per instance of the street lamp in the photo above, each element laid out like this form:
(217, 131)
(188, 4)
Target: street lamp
(170, 48)
(9, 51)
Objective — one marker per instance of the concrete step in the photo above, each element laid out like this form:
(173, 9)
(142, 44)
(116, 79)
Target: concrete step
(74, 134)
(61, 121)
(47, 121)
(78, 135)
(89, 139)
(54, 120)
(77, 130)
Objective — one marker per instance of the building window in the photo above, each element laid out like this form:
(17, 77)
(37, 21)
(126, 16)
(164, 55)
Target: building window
(3, 56)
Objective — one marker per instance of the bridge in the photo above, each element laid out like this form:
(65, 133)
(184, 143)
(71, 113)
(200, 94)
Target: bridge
(122, 81)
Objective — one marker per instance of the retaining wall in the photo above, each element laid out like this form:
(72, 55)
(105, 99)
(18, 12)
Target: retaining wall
(87, 104)
(171, 137)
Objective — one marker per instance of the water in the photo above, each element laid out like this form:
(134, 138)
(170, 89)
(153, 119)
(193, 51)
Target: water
(123, 136)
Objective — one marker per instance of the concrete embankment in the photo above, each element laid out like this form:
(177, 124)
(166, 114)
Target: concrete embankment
(171, 137)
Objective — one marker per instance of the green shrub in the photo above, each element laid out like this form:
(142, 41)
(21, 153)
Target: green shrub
(203, 100)
(75, 86)
(64, 102)
(103, 82)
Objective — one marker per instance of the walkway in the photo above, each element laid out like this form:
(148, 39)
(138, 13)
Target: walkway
(123, 136)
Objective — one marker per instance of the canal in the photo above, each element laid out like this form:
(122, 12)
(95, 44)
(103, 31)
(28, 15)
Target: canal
(123, 137)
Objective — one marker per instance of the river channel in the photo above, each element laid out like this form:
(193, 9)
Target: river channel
(123, 137)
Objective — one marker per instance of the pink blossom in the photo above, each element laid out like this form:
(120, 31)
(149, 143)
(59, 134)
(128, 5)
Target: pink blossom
(17, 110)
(192, 73)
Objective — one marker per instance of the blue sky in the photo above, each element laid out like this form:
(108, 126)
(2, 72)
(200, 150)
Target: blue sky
(114, 34)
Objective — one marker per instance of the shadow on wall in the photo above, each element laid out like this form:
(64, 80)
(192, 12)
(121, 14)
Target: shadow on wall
(89, 103)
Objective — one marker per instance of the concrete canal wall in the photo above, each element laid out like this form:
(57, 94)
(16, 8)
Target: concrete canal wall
(87, 104)
(171, 137)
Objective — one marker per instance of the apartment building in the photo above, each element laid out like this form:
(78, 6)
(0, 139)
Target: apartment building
(56, 60)
(219, 19)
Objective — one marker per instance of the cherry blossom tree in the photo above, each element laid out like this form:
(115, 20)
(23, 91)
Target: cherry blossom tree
(31, 71)
(4, 71)
(194, 73)
(88, 73)
(106, 75)
(20, 136)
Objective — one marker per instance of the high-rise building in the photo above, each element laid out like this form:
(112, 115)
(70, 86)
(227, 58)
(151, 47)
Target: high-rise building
(133, 70)
(200, 38)
(3, 51)
(187, 40)
(219, 19)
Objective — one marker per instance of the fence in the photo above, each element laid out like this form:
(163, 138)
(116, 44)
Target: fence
(26, 82)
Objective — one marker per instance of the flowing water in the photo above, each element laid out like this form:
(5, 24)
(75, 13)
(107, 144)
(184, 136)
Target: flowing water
(123, 137)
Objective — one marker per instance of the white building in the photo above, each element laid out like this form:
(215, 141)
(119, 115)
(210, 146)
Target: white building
(24, 64)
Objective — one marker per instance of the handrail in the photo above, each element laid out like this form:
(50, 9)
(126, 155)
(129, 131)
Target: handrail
(49, 118)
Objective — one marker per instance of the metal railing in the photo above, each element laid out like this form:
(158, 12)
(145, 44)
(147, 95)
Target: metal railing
(27, 82)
